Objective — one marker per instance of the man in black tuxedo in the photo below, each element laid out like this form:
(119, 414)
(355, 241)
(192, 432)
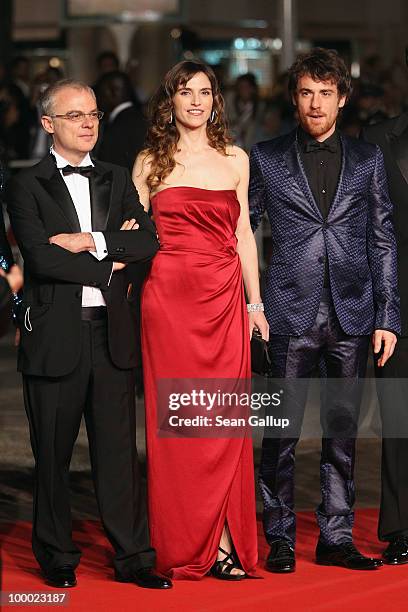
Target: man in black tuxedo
(125, 128)
(121, 140)
(392, 137)
(78, 342)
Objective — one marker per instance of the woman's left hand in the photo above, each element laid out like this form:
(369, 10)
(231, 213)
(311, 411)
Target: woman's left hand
(257, 320)
(14, 277)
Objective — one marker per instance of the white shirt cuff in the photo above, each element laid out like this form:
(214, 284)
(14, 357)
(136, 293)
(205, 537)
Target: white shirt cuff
(100, 245)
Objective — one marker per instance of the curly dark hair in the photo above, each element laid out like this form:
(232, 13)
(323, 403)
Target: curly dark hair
(322, 65)
(163, 135)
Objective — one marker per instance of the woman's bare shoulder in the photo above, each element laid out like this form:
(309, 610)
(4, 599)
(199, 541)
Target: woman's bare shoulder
(237, 155)
(143, 164)
(237, 152)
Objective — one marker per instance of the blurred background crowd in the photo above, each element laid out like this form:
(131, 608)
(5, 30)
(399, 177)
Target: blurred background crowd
(123, 47)
(254, 113)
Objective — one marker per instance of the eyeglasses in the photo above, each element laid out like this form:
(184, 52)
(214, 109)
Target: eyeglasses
(77, 116)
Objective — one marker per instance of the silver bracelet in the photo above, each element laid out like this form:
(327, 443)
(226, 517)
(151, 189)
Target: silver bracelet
(255, 307)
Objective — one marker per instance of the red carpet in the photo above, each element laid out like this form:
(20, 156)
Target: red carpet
(310, 589)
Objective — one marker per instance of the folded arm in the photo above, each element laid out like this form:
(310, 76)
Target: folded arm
(43, 259)
(117, 245)
(140, 245)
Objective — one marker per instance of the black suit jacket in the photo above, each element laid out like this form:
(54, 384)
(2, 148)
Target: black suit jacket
(357, 239)
(40, 206)
(392, 137)
(123, 139)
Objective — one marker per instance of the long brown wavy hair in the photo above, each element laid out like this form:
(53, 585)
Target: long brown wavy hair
(163, 135)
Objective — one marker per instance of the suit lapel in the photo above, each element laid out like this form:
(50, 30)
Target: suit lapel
(295, 166)
(399, 150)
(100, 185)
(54, 185)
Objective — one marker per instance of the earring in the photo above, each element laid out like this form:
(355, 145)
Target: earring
(213, 116)
(171, 117)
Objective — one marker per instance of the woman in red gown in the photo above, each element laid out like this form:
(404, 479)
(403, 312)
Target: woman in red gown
(196, 325)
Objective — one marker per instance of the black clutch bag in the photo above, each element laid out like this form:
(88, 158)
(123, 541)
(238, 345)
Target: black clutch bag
(260, 360)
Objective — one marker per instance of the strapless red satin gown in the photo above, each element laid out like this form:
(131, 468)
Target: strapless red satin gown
(194, 324)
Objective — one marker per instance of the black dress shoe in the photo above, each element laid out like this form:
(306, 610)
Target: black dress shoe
(396, 552)
(281, 558)
(345, 555)
(147, 578)
(61, 577)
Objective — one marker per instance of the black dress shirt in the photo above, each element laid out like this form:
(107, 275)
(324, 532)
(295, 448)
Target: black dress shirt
(322, 165)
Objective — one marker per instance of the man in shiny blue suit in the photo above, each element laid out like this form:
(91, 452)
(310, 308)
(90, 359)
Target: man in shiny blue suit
(331, 284)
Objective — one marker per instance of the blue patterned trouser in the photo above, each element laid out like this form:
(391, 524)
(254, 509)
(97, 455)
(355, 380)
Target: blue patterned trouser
(344, 358)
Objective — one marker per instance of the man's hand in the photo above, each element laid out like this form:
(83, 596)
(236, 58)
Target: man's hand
(388, 340)
(117, 265)
(76, 243)
(83, 241)
(130, 225)
(126, 225)
(14, 278)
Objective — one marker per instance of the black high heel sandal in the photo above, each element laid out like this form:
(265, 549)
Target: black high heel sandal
(222, 568)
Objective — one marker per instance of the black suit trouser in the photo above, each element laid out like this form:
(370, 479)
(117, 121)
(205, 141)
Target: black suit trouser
(393, 395)
(105, 395)
(341, 357)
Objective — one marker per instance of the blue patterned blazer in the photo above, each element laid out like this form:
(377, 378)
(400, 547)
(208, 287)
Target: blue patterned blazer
(357, 238)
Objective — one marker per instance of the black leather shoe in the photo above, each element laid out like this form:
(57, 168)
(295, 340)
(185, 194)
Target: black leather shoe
(281, 558)
(396, 552)
(345, 555)
(61, 577)
(146, 577)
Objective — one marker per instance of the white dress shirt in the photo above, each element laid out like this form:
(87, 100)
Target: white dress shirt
(118, 109)
(78, 187)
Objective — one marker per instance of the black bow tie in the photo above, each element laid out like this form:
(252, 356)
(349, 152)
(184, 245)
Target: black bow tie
(83, 170)
(310, 147)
